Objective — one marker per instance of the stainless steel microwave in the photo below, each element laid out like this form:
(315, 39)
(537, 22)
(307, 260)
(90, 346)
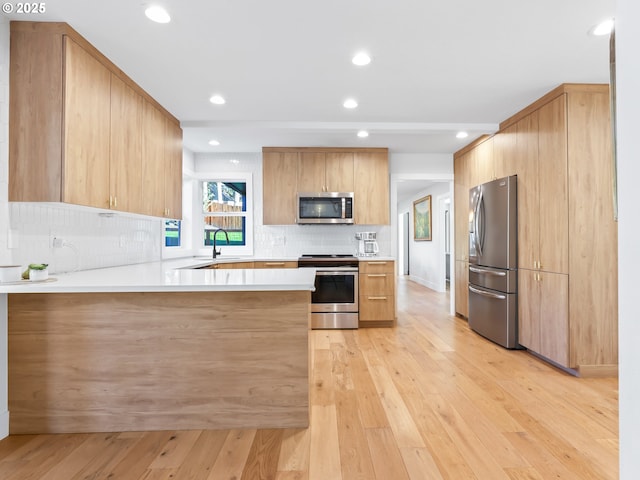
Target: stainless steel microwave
(325, 207)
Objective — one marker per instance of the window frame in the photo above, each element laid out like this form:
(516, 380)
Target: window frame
(199, 215)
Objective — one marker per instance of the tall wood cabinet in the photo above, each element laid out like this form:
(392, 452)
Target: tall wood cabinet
(560, 149)
(289, 170)
(77, 126)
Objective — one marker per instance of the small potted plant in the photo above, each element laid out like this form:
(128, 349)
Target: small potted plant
(37, 272)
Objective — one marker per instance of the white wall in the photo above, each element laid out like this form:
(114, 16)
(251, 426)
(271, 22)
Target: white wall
(426, 257)
(628, 105)
(5, 254)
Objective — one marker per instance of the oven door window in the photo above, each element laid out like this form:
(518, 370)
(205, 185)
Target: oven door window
(334, 288)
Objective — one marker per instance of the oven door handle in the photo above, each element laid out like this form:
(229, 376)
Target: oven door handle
(336, 272)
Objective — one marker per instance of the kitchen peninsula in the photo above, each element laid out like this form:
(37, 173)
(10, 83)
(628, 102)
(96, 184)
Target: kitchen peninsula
(160, 346)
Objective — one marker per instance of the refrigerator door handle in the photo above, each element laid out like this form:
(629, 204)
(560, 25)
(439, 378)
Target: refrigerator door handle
(487, 294)
(480, 220)
(476, 224)
(487, 272)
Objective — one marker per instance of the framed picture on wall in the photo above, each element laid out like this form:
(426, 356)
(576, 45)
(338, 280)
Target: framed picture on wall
(422, 219)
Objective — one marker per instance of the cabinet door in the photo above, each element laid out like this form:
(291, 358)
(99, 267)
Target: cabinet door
(126, 148)
(311, 172)
(371, 188)
(462, 288)
(461, 206)
(554, 317)
(528, 309)
(485, 161)
(339, 172)
(552, 187)
(504, 151)
(526, 161)
(153, 161)
(87, 103)
(279, 187)
(173, 170)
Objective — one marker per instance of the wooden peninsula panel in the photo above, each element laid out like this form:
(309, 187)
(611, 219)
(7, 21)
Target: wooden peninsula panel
(98, 362)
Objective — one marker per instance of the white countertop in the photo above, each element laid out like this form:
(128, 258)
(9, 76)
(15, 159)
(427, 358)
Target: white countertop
(171, 276)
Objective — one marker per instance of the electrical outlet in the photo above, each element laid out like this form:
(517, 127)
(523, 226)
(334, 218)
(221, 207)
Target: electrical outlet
(57, 242)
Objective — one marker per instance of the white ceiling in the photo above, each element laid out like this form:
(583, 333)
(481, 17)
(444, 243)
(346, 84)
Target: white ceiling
(284, 66)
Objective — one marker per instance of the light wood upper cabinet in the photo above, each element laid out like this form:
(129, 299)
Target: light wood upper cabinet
(173, 170)
(526, 161)
(87, 107)
(339, 172)
(485, 162)
(311, 172)
(289, 170)
(126, 148)
(90, 122)
(504, 151)
(553, 189)
(279, 187)
(371, 189)
(153, 162)
(461, 186)
(325, 172)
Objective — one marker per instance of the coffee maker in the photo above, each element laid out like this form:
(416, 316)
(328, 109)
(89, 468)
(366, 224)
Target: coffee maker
(367, 244)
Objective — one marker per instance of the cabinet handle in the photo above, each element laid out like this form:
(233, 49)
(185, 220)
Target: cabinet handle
(115, 202)
(110, 201)
(376, 298)
(376, 263)
(376, 275)
(273, 264)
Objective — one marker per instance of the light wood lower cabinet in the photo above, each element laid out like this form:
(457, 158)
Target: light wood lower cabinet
(462, 288)
(102, 362)
(377, 293)
(543, 313)
(276, 264)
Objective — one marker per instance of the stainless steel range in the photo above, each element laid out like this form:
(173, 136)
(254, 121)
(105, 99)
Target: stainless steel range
(334, 304)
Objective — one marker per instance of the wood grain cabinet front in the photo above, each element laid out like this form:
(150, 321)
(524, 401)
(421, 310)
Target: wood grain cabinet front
(377, 293)
(77, 128)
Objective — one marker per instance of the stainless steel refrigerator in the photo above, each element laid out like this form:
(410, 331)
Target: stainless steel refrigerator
(493, 261)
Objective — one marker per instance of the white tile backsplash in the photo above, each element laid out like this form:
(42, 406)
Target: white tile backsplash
(90, 240)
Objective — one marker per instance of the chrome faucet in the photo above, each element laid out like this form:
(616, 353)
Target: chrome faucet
(216, 253)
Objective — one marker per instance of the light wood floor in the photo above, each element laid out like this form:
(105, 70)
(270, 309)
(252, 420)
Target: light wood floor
(427, 400)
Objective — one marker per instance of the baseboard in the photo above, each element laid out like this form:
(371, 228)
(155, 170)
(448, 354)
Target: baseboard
(598, 371)
(4, 425)
(423, 282)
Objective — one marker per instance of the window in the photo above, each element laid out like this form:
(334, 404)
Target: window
(172, 233)
(225, 206)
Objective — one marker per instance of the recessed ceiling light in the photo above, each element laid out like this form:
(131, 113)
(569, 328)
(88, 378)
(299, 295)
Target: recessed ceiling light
(235, 161)
(350, 103)
(361, 58)
(462, 135)
(217, 100)
(214, 143)
(157, 14)
(363, 134)
(603, 28)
